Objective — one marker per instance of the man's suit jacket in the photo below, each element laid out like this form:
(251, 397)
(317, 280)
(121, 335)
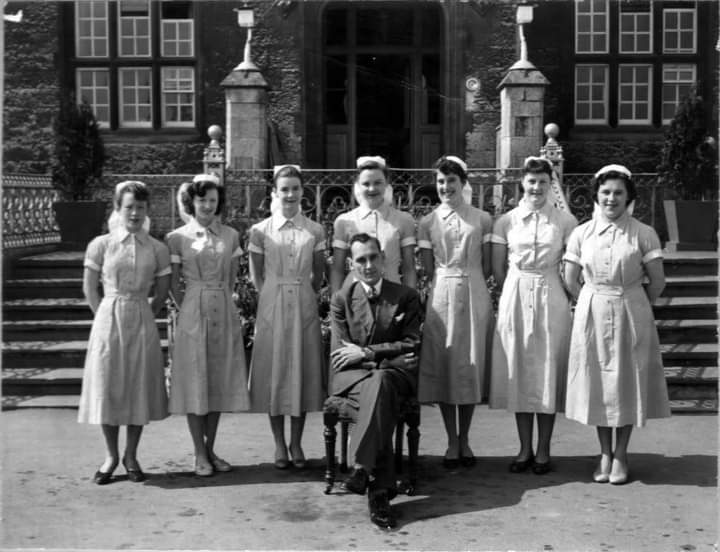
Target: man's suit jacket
(390, 332)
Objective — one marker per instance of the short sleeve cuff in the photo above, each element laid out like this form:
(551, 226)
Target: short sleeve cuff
(89, 263)
(175, 259)
(424, 244)
(410, 240)
(652, 255)
(237, 253)
(494, 238)
(572, 258)
(164, 272)
(487, 238)
(340, 244)
(320, 246)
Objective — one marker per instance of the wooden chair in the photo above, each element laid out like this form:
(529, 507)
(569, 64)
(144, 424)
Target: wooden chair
(335, 410)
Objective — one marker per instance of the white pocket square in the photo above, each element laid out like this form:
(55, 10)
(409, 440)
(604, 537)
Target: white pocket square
(399, 317)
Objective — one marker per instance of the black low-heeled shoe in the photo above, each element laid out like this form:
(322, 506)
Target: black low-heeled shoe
(102, 478)
(519, 466)
(136, 476)
(468, 461)
(541, 468)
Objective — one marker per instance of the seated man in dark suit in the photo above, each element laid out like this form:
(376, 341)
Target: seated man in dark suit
(375, 343)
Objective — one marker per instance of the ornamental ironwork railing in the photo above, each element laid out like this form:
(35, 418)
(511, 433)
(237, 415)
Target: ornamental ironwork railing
(28, 218)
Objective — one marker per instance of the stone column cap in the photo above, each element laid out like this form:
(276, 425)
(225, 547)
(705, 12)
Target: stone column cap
(523, 76)
(240, 78)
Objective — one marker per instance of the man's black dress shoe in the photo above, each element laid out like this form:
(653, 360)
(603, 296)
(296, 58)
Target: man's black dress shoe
(357, 481)
(380, 512)
(136, 476)
(102, 478)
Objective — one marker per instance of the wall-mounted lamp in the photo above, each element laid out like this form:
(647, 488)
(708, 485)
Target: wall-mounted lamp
(246, 20)
(523, 16)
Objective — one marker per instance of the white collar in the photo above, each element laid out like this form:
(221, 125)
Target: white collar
(603, 224)
(279, 220)
(377, 286)
(122, 234)
(364, 210)
(525, 210)
(213, 227)
(445, 210)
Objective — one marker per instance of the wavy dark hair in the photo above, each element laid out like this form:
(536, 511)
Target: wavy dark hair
(199, 189)
(537, 165)
(448, 166)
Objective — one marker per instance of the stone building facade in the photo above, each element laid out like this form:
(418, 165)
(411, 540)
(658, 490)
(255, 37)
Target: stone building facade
(407, 80)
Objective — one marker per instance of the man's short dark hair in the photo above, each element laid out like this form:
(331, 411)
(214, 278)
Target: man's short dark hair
(363, 237)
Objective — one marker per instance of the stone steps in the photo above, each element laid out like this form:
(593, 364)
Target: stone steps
(71, 330)
(22, 288)
(705, 308)
(58, 308)
(52, 354)
(691, 286)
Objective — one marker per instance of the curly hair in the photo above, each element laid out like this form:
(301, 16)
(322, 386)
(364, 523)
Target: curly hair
(138, 189)
(199, 189)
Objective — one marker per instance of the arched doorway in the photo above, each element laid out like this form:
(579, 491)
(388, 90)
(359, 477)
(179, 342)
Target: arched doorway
(382, 82)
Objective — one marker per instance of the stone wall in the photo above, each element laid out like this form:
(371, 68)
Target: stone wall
(277, 47)
(489, 43)
(31, 86)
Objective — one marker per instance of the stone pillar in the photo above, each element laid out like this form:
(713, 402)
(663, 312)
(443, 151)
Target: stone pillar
(522, 94)
(245, 119)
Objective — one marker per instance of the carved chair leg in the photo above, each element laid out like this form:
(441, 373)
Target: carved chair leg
(413, 437)
(343, 446)
(330, 434)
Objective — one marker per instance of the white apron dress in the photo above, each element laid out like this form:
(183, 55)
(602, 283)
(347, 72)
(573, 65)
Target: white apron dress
(209, 372)
(532, 333)
(124, 376)
(287, 368)
(616, 374)
(393, 228)
(455, 336)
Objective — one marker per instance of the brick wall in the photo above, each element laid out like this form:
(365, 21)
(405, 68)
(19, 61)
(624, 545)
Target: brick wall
(31, 87)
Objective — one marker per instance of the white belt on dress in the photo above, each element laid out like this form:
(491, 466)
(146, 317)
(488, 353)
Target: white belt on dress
(534, 272)
(207, 286)
(129, 296)
(451, 272)
(611, 289)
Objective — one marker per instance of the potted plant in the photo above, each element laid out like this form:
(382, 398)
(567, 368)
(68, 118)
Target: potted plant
(689, 172)
(79, 159)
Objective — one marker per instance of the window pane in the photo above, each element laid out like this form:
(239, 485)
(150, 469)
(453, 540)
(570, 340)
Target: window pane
(583, 43)
(643, 43)
(627, 43)
(583, 111)
(583, 24)
(626, 111)
(335, 26)
(598, 43)
(176, 10)
(598, 112)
